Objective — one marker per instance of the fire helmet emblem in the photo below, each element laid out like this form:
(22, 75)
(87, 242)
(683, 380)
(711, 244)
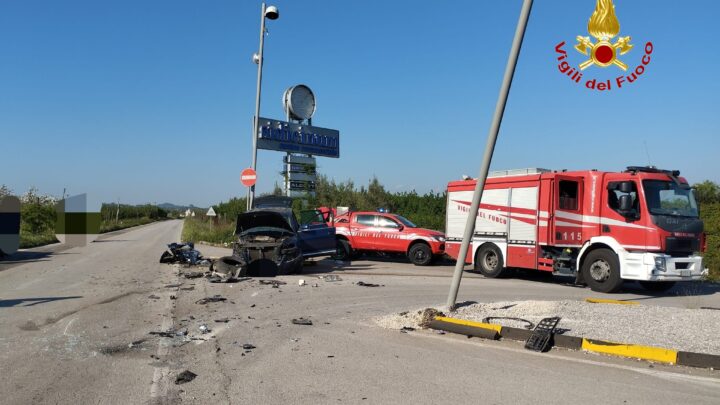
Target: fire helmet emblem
(604, 26)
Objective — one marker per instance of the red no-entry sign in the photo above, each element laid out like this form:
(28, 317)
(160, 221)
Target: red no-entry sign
(248, 177)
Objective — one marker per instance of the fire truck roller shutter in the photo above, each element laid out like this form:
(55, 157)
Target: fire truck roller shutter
(522, 228)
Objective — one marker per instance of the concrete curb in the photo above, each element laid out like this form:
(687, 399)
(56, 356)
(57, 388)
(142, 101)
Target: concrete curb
(650, 353)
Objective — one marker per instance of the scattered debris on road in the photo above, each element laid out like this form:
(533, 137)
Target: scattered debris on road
(248, 346)
(193, 274)
(302, 321)
(170, 333)
(223, 320)
(204, 329)
(214, 298)
(364, 284)
(183, 253)
(185, 377)
(274, 283)
(227, 269)
(330, 278)
(301, 282)
(406, 329)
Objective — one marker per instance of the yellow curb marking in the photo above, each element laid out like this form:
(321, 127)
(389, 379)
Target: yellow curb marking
(490, 326)
(608, 301)
(635, 351)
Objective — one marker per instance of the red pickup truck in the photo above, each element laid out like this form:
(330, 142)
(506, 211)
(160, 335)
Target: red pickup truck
(357, 232)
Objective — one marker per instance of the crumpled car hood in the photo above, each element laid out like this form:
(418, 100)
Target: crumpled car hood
(254, 219)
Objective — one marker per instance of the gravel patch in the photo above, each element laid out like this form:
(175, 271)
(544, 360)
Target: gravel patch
(694, 330)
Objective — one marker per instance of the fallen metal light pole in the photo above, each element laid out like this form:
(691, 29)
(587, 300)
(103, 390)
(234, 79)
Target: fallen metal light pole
(489, 149)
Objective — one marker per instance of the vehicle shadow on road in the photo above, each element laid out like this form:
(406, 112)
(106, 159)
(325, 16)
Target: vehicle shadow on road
(681, 289)
(33, 301)
(25, 257)
(329, 266)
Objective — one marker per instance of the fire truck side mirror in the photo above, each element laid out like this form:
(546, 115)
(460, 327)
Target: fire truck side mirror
(625, 203)
(625, 207)
(626, 187)
(400, 228)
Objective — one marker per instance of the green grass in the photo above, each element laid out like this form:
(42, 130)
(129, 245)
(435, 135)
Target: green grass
(29, 240)
(196, 230)
(109, 226)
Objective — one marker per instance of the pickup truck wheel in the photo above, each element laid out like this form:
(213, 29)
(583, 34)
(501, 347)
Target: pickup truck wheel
(489, 261)
(657, 286)
(420, 254)
(342, 250)
(601, 271)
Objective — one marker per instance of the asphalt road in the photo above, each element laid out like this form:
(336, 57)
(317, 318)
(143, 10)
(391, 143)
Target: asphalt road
(76, 323)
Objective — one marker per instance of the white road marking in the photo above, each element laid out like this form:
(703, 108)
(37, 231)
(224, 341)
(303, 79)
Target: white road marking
(68, 326)
(161, 375)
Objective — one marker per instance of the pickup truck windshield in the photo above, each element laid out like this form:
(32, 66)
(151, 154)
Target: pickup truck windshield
(406, 222)
(668, 198)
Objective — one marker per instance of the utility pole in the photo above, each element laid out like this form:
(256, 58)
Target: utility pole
(489, 150)
(271, 13)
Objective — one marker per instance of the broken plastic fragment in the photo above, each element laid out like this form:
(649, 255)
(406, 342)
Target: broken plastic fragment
(185, 377)
(364, 284)
(302, 321)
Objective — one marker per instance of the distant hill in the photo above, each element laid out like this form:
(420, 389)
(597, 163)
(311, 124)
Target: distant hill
(170, 206)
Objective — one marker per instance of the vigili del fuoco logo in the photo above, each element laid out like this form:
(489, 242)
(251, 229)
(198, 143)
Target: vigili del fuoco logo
(603, 52)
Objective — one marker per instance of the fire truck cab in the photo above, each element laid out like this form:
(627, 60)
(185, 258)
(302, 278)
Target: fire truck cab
(601, 227)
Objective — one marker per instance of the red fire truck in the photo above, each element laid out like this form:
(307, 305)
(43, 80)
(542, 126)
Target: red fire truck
(361, 231)
(601, 227)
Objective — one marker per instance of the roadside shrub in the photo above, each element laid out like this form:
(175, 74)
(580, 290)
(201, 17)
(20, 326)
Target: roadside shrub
(710, 214)
(197, 229)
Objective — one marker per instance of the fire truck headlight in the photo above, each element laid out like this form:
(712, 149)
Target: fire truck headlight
(439, 238)
(660, 263)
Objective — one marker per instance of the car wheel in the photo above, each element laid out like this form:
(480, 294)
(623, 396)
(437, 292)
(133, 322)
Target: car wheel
(657, 286)
(601, 271)
(342, 250)
(489, 261)
(420, 254)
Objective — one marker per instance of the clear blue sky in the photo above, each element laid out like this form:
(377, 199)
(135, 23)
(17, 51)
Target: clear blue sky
(152, 101)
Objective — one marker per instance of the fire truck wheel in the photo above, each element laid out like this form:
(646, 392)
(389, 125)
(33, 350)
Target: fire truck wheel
(420, 254)
(657, 286)
(601, 271)
(489, 261)
(342, 250)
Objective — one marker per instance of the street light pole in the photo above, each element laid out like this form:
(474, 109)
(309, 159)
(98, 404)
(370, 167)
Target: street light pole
(259, 61)
(489, 150)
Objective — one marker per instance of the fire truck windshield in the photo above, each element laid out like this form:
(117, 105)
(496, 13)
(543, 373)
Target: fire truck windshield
(406, 222)
(669, 198)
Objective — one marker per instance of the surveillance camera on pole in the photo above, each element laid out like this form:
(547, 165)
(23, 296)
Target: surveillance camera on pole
(272, 13)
